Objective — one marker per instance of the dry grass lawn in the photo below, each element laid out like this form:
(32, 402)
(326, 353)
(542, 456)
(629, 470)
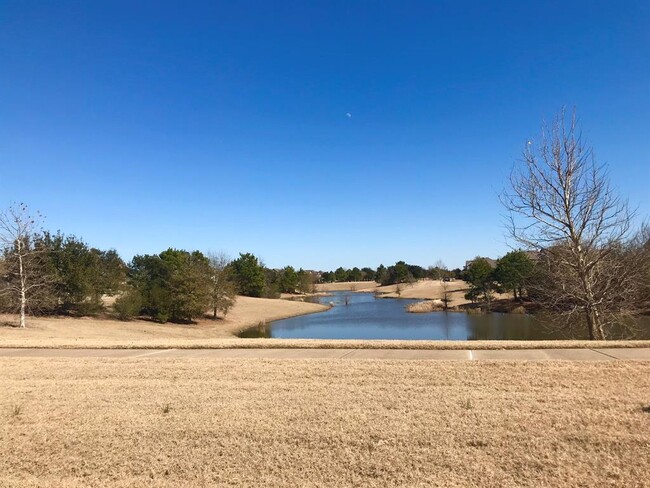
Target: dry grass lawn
(348, 285)
(97, 332)
(323, 423)
(433, 290)
(423, 289)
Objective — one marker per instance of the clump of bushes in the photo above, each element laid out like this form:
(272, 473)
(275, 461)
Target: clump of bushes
(128, 305)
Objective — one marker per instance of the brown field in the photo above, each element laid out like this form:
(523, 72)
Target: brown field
(104, 332)
(432, 290)
(422, 289)
(350, 285)
(148, 422)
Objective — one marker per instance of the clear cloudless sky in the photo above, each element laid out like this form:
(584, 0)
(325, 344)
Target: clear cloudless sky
(317, 134)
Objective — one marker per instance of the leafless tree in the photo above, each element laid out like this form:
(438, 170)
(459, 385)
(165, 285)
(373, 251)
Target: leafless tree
(22, 273)
(560, 202)
(223, 292)
(445, 295)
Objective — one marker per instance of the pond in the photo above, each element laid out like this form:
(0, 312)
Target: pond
(368, 317)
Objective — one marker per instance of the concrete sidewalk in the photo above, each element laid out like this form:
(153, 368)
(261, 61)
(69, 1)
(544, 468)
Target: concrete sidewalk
(641, 354)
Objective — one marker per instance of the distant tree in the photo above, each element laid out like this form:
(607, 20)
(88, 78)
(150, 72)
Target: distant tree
(401, 271)
(381, 275)
(327, 277)
(341, 274)
(272, 278)
(288, 280)
(248, 274)
(174, 285)
(355, 274)
(223, 291)
(445, 295)
(306, 281)
(128, 304)
(416, 272)
(481, 279)
(368, 274)
(439, 271)
(398, 289)
(434, 273)
(513, 272)
(22, 270)
(80, 275)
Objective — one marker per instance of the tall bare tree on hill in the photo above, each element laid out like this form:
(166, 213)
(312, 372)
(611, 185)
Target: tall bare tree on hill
(560, 201)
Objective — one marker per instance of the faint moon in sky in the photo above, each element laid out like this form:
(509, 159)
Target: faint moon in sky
(348, 115)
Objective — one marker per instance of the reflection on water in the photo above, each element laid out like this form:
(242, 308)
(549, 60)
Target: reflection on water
(367, 317)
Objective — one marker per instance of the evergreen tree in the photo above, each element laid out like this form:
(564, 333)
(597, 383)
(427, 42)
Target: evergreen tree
(174, 285)
(480, 276)
(248, 274)
(513, 272)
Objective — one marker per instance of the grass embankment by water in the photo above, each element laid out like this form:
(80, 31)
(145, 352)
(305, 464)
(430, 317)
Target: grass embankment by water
(66, 332)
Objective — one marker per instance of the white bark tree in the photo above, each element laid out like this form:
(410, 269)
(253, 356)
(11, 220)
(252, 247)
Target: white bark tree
(22, 274)
(560, 201)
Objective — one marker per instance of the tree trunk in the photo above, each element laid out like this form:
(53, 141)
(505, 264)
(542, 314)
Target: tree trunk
(593, 323)
(23, 303)
(23, 296)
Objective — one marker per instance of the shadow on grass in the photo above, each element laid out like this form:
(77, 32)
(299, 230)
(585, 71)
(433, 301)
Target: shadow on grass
(10, 325)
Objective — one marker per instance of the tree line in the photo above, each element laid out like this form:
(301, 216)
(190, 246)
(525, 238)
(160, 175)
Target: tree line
(42, 273)
(400, 272)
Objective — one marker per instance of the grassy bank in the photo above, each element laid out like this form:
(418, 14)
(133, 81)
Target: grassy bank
(71, 423)
(50, 332)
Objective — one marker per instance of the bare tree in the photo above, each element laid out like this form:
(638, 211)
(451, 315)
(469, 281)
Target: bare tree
(223, 292)
(445, 295)
(560, 202)
(22, 274)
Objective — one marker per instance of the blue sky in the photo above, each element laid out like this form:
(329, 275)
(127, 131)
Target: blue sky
(223, 125)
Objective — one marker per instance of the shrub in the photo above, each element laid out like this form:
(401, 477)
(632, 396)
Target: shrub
(128, 305)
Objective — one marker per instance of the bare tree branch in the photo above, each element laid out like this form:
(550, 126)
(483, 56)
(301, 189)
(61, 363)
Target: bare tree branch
(560, 202)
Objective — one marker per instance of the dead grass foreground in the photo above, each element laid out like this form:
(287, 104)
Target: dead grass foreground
(71, 423)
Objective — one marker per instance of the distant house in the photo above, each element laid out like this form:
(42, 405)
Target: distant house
(532, 255)
(490, 261)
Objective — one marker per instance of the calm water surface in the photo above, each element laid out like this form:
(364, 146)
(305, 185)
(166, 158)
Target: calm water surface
(367, 317)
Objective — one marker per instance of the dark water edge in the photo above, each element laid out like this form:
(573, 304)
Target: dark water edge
(370, 318)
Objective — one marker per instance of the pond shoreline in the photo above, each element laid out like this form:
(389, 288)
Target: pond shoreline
(364, 316)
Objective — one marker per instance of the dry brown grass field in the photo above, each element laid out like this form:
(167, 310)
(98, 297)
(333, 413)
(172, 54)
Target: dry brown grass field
(349, 285)
(423, 289)
(148, 422)
(104, 332)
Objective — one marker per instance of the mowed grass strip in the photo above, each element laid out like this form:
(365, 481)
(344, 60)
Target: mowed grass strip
(112, 422)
